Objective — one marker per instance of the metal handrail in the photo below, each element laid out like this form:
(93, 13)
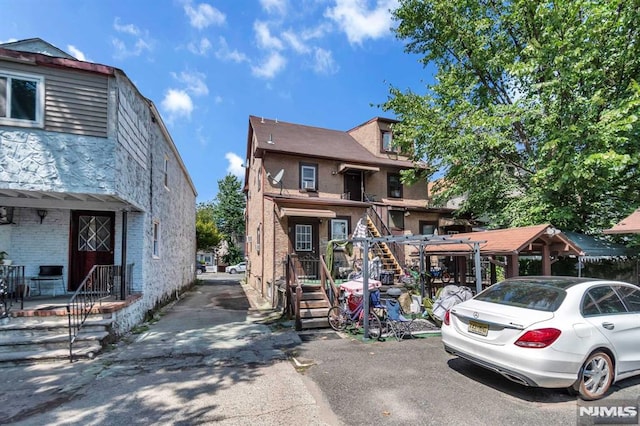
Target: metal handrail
(102, 282)
(397, 250)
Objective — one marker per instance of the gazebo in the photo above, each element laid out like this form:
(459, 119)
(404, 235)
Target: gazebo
(540, 240)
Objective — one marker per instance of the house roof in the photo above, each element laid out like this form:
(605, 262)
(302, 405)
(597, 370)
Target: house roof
(598, 248)
(510, 241)
(297, 139)
(37, 45)
(628, 225)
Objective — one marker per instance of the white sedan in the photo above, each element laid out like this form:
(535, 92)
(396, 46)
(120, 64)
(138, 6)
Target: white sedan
(234, 269)
(582, 334)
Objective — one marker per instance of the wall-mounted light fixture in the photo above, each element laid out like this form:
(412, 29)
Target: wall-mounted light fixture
(42, 213)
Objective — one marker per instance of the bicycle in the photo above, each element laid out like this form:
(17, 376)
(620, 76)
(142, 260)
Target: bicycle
(349, 313)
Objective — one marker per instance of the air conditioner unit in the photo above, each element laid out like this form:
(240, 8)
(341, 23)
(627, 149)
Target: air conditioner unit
(308, 185)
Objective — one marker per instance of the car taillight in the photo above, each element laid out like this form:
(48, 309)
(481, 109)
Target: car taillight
(446, 318)
(540, 338)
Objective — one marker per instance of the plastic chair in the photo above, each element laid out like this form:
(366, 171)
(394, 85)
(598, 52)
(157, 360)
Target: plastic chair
(398, 325)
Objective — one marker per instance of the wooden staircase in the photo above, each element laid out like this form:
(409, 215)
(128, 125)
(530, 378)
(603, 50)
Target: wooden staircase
(29, 337)
(313, 308)
(382, 250)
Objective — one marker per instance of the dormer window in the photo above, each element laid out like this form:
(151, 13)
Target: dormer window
(21, 99)
(387, 142)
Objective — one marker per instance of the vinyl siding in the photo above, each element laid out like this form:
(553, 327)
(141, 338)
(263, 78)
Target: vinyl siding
(75, 102)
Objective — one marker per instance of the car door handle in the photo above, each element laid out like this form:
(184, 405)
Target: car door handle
(608, 325)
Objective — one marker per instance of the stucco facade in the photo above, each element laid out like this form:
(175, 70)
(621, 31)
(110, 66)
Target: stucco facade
(108, 155)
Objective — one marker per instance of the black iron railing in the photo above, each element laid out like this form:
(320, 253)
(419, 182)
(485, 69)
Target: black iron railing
(12, 288)
(101, 283)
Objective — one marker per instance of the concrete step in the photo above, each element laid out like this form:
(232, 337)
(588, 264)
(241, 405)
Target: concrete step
(37, 356)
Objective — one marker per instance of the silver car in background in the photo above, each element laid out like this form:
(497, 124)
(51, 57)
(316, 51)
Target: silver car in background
(582, 334)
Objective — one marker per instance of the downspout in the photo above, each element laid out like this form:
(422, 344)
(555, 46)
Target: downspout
(123, 261)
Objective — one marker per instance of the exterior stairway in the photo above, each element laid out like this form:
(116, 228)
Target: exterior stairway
(29, 337)
(313, 308)
(382, 250)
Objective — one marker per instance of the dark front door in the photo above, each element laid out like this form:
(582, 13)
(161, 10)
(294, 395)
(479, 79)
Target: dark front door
(353, 185)
(92, 241)
(303, 234)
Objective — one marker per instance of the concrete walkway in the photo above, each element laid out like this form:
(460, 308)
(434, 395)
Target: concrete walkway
(208, 358)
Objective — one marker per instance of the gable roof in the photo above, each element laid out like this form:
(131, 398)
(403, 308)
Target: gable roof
(628, 225)
(37, 45)
(510, 241)
(297, 139)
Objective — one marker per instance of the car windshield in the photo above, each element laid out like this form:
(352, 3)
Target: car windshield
(535, 295)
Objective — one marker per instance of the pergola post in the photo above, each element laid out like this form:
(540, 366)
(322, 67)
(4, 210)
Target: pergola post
(546, 260)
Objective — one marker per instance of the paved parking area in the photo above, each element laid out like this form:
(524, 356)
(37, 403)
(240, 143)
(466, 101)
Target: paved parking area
(416, 382)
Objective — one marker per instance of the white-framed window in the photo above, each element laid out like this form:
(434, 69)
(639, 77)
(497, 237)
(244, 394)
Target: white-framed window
(258, 238)
(308, 177)
(339, 229)
(304, 237)
(156, 239)
(165, 171)
(21, 99)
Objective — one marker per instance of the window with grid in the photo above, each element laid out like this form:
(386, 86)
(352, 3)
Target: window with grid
(21, 99)
(94, 233)
(303, 238)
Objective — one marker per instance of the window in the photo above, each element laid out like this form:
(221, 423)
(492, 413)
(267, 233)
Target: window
(602, 300)
(258, 238)
(156, 239)
(428, 228)
(308, 173)
(94, 233)
(166, 172)
(21, 99)
(303, 237)
(631, 297)
(394, 186)
(339, 229)
(396, 219)
(387, 142)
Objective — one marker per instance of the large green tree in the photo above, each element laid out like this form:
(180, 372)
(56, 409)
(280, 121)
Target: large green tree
(228, 213)
(533, 110)
(207, 235)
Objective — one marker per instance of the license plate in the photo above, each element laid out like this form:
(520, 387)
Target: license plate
(478, 328)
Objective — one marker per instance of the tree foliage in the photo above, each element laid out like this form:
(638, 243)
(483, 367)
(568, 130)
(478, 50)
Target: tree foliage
(533, 113)
(207, 235)
(228, 211)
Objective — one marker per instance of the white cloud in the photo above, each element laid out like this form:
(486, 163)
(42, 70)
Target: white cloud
(125, 28)
(200, 48)
(295, 42)
(218, 99)
(224, 53)
(177, 103)
(264, 37)
(236, 164)
(195, 82)
(141, 44)
(272, 66)
(76, 53)
(359, 22)
(324, 62)
(203, 15)
(274, 6)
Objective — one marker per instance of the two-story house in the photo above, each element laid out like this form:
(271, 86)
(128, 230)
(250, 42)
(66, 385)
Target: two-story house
(89, 175)
(306, 186)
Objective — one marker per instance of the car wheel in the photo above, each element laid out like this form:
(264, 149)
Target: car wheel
(596, 377)
(232, 271)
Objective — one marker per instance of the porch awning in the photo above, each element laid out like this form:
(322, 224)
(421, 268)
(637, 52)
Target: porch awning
(345, 167)
(290, 211)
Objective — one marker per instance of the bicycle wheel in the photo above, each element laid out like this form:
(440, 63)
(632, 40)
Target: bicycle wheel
(338, 318)
(375, 326)
(445, 277)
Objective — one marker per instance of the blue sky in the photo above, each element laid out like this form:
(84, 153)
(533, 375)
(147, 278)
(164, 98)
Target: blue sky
(208, 65)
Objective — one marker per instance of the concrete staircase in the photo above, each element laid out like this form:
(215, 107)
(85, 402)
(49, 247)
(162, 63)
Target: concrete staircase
(28, 339)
